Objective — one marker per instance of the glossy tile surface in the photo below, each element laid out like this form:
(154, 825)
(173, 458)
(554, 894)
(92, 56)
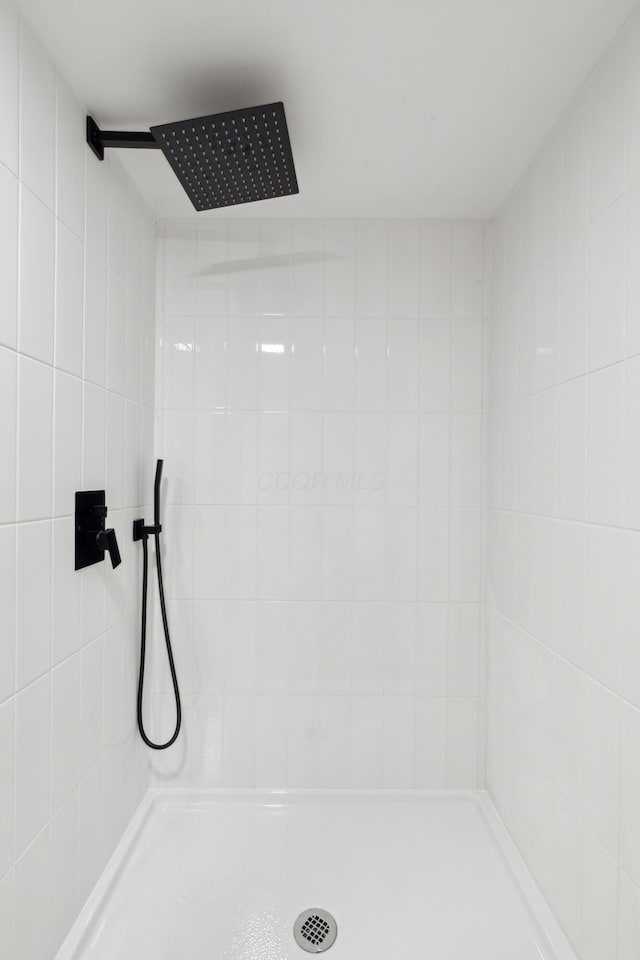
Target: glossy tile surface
(319, 409)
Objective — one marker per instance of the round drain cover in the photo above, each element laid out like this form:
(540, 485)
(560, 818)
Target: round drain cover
(315, 930)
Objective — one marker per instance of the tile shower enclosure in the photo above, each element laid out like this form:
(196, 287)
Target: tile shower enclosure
(319, 401)
(319, 395)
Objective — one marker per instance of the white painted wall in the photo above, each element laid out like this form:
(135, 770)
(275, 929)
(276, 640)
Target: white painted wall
(326, 628)
(76, 395)
(563, 569)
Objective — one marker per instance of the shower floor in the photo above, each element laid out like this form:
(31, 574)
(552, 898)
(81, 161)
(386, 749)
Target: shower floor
(223, 876)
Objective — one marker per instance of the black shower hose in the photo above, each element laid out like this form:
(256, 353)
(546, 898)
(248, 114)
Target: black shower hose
(143, 646)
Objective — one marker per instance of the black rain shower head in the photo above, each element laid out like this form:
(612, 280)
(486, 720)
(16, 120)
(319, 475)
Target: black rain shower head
(220, 160)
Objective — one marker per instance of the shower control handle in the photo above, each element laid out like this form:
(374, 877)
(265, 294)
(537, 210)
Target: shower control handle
(107, 541)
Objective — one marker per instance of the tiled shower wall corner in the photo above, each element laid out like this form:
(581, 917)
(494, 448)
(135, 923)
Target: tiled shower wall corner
(319, 397)
(77, 260)
(563, 556)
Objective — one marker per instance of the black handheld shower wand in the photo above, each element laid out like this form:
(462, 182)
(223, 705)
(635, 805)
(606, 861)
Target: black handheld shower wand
(140, 532)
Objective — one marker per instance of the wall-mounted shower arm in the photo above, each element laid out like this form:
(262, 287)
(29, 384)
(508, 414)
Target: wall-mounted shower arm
(99, 139)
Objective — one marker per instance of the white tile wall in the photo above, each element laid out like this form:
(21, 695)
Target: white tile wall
(563, 684)
(71, 771)
(320, 420)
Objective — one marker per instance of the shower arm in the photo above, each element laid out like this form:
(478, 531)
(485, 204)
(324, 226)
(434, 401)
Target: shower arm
(99, 139)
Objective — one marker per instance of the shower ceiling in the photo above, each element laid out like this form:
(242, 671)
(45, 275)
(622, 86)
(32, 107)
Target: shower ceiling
(416, 108)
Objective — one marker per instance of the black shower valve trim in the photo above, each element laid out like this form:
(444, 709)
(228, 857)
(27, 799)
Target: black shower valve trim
(92, 538)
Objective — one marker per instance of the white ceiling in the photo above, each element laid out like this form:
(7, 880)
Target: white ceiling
(396, 108)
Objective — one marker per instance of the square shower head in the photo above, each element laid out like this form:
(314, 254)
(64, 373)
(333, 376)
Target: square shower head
(231, 158)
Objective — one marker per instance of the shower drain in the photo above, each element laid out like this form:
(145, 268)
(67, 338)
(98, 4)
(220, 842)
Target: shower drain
(315, 930)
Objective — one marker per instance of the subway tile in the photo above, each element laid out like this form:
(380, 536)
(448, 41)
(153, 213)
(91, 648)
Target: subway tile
(605, 445)
(239, 741)
(339, 364)
(463, 650)
(433, 554)
(435, 460)
(9, 85)
(371, 363)
(118, 201)
(7, 785)
(601, 735)
(66, 594)
(35, 400)
(69, 301)
(91, 701)
(462, 742)
(37, 255)
(367, 648)
(628, 919)
(116, 320)
(632, 280)
(33, 601)
(65, 901)
(629, 686)
(572, 309)
(567, 868)
(572, 450)
(430, 743)
(367, 732)
(208, 720)
(629, 786)
(93, 443)
(466, 370)
(402, 365)
(335, 664)
(33, 761)
(371, 476)
(65, 730)
(37, 118)
(632, 443)
(32, 893)
(274, 363)
(431, 649)
(8, 434)
(465, 535)
(8, 606)
(95, 271)
(399, 742)
(605, 301)
(271, 741)
(67, 447)
(9, 253)
(70, 123)
(273, 553)
(435, 368)
(599, 890)
(466, 460)
(306, 364)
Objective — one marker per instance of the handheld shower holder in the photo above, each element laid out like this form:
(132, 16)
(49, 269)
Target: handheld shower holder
(140, 532)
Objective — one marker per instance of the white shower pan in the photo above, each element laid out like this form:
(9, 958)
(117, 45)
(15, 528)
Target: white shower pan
(223, 875)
